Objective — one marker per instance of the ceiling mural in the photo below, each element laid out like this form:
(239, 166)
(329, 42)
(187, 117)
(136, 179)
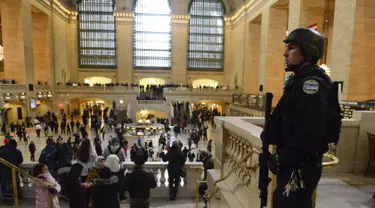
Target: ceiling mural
(178, 6)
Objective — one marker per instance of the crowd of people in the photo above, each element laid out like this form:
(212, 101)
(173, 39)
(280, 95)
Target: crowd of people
(82, 170)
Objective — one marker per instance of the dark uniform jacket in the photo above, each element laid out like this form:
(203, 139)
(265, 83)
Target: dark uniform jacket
(298, 122)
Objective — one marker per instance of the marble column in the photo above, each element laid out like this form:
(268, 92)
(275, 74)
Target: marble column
(273, 29)
(252, 56)
(352, 58)
(180, 29)
(18, 42)
(124, 29)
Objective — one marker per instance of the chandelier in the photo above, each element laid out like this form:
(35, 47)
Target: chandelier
(1, 53)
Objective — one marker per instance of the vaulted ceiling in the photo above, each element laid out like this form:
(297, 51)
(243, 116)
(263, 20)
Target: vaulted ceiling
(178, 6)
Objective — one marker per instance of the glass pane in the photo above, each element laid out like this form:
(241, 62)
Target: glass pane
(97, 34)
(152, 34)
(206, 35)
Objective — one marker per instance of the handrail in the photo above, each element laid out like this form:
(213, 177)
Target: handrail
(334, 160)
(211, 191)
(14, 182)
(10, 165)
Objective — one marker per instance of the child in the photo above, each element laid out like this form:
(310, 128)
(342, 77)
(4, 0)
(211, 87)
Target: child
(45, 185)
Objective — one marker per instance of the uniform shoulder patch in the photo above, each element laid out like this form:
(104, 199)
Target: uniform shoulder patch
(310, 86)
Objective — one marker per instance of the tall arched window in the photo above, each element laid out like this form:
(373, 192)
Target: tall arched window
(206, 35)
(97, 34)
(152, 34)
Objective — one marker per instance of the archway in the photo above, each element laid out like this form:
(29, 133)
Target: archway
(151, 81)
(97, 80)
(205, 82)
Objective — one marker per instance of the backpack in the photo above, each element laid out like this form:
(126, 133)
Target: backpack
(334, 117)
(116, 152)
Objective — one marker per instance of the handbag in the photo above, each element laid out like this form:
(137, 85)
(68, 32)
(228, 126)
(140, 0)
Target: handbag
(182, 172)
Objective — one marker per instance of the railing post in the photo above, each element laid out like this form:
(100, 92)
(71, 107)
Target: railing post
(15, 191)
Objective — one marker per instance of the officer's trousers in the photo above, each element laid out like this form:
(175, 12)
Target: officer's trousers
(311, 174)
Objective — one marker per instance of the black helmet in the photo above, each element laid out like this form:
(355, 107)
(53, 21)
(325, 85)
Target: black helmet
(310, 41)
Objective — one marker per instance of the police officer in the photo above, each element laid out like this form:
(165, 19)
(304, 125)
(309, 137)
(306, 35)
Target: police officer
(298, 122)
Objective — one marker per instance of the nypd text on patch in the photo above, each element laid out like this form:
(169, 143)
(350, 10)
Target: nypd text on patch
(310, 86)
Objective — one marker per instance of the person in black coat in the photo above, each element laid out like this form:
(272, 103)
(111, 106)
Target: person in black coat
(176, 161)
(11, 154)
(32, 149)
(74, 189)
(64, 164)
(64, 156)
(104, 191)
(139, 182)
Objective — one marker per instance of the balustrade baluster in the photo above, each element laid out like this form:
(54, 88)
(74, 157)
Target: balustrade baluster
(235, 151)
(228, 149)
(162, 176)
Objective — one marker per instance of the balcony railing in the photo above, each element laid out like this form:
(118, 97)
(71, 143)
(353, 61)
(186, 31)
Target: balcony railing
(96, 89)
(186, 89)
(42, 88)
(12, 88)
(187, 185)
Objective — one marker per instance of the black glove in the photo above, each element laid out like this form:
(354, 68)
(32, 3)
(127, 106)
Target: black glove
(273, 163)
(52, 190)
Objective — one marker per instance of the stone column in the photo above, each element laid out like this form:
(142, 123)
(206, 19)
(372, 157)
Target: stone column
(228, 52)
(42, 47)
(273, 29)
(124, 30)
(252, 56)
(180, 30)
(73, 48)
(18, 44)
(352, 58)
(17, 39)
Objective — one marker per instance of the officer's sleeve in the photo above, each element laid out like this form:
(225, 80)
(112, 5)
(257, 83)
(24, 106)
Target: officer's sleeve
(308, 122)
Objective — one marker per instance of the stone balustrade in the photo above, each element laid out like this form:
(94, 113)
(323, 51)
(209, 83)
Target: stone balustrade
(236, 154)
(96, 89)
(238, 142)
(188, 89)
(238, 111)
(12, 88)
(44, 88)
(187, 185)
(195, 95)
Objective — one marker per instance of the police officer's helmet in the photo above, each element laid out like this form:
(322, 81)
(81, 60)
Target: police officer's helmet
(311, 42)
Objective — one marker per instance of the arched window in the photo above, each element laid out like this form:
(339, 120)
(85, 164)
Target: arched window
(152, 34)
(206, 35)
(97, 34)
